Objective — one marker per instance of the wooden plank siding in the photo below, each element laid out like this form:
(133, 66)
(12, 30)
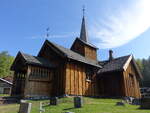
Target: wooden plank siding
(76, 83)
(131, 85)
(90, 52)
(38, 82)
(85, 50)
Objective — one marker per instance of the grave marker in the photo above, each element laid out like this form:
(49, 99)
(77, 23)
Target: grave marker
(25, 107)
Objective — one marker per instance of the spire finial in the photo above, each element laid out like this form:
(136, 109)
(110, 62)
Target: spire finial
(83, 9)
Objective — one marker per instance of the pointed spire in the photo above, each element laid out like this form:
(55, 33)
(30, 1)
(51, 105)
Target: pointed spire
(83, 33)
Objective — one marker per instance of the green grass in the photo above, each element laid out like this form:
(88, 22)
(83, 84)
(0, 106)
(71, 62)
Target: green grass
(10, 108)
(91, 105)
(4, 95)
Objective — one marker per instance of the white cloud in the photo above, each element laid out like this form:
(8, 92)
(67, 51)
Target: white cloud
(118, 29)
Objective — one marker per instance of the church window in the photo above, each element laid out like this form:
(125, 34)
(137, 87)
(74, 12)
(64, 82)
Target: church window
(131, 78)
(89, 74)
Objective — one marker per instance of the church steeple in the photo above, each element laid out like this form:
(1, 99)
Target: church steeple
(82, 45)
(83, 33)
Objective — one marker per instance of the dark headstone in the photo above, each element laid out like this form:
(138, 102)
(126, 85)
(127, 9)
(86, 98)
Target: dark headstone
(25, 107)
(136, 101)
(54, 101)
(78, 102)
(145, 103)
(120, 104)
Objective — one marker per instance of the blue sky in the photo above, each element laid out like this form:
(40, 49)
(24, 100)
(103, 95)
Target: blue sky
(122, 25)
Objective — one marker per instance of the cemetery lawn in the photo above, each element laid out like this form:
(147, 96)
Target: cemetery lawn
(91, 105)
(4, 95)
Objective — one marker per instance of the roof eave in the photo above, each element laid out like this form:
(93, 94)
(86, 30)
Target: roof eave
(131, 58)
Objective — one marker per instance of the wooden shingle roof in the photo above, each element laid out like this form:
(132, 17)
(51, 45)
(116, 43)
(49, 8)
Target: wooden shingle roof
(118, 64)
(86, 43)
(34, 60)
(31, 60)
(72, 55)
(113, 65)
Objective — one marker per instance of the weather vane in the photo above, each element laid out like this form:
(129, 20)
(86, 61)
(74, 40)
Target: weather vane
(47, 34)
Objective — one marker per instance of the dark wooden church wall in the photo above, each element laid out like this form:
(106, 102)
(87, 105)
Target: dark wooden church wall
(78, 47)
(18, 83)
(76, 83)
(110, 84)
(59, 80)
(51, 55)
(39, 82)
(85, 50)
(59, 71)
(131, 82)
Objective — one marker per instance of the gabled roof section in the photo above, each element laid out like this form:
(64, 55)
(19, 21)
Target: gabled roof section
(32, 60)
(118, 64)
(67, 53)
(36, 60)
(85, 43)
(113, 65)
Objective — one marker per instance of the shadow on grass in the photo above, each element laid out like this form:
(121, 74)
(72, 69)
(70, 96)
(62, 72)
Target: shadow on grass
(48, 105)
(143, 108)
(69, 108)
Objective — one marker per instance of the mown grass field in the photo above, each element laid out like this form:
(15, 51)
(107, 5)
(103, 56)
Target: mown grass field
(91, 105)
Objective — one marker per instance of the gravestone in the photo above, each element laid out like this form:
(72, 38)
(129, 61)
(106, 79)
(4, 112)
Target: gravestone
(41, 107)
(54, 101)
(145, 103)
(25, 107)
(78, 102)
(136, 101)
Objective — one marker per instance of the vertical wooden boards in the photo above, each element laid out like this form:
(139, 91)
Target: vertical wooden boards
(72, 79)
(124, 88)
(80, 81)
(92, 88)
(67, 88)
(62, 79)
(90, 52)
(76, 79)
(78, 69)
(51, 76)
(84, 50)
(26, 91)
(78, 47)
(83, 81)
(131, 84)
(88, 88)
(39, 82)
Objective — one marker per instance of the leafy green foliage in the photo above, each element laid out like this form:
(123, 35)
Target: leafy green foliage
(5, 62)
(144, 66)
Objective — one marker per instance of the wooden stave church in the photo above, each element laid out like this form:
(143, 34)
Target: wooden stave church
(58, 71)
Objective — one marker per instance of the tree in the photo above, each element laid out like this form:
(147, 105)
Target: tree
(140, 64)
(5, 63)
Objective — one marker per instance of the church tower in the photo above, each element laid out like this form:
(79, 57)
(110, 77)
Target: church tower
(82, 45)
